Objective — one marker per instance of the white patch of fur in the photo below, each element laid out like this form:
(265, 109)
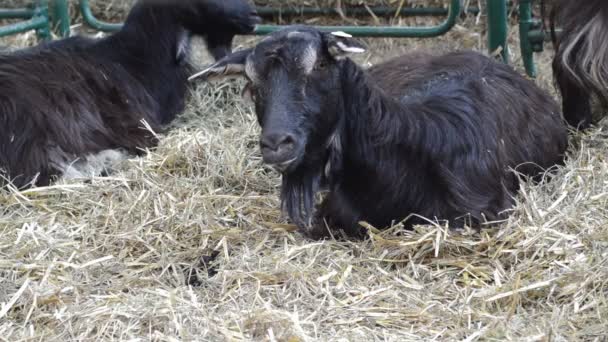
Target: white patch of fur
(309, 59)
(593, 56)
(183, 46)
(250, 71)
(93, 165)
(298, 34)
(327, 168)
(334, 144)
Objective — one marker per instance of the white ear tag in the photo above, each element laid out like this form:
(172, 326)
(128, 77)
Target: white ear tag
(341, 34)
(350, 49)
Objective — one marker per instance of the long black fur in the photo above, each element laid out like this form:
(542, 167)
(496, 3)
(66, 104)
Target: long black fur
(63, 100)
(435, 137)
(580, 65)
(417, 136)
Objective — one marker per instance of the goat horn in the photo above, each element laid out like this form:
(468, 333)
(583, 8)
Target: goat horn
(199, 74)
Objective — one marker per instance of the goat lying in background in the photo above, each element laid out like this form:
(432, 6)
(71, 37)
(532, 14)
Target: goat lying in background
(580, 65)
(63, 101)
(418, 135)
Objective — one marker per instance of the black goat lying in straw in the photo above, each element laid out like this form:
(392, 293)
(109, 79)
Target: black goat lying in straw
(70, 99)
(422, 135)
(580, 65)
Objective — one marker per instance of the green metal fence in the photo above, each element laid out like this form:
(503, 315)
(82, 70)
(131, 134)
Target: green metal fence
(367, 31)
(45, 15)
(41, 17)
(37, 19)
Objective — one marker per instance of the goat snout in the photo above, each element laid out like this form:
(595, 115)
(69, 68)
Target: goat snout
(279, 149)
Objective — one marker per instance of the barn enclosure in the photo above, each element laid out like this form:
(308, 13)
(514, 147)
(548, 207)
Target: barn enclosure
(44, 15)
(188, 243)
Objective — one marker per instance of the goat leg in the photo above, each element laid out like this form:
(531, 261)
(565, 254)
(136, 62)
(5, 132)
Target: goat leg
(335, 215)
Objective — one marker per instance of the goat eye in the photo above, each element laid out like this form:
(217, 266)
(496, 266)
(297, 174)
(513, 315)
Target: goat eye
(321, 65)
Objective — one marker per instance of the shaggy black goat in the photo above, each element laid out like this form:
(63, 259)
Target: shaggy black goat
(418, 135)
(580, 65)
(73, 98)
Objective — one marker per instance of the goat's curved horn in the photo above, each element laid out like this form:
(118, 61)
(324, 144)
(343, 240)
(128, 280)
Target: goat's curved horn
(219, 71)
(231, 65)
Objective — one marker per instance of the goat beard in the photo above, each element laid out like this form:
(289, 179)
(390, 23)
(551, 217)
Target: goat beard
(299, 187)
(298, 194)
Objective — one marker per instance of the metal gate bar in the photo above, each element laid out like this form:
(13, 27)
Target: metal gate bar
(38, 23)
(61, 17)
(38, 20)
(381, 11)
(532, 36)
(366, 31)
(19, 13)
(385, 31)
(497, 28)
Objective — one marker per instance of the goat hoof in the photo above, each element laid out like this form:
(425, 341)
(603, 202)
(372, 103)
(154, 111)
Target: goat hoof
(318, 233)
(206, 265)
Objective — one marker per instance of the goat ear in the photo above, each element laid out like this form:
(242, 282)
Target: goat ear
(341, 44)
(229, 66)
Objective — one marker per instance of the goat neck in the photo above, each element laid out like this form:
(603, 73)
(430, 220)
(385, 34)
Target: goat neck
(372, 120)
(151, 36)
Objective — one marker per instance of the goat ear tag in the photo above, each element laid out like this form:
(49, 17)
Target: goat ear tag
(341, 34)
(341, 48)
(340, 44)
(350, 49)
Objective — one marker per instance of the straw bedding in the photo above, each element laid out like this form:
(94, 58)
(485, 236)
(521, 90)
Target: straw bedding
(188, 243)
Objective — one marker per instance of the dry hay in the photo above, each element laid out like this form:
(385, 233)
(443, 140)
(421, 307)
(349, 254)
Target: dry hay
(131, 256)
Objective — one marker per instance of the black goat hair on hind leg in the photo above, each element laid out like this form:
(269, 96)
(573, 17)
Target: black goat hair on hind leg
(64, 100)
(580, 64)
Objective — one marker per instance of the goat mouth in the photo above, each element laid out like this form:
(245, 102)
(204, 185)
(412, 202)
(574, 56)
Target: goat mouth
(284, 166)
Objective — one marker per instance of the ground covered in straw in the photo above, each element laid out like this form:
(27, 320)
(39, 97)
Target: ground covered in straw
(188, 243)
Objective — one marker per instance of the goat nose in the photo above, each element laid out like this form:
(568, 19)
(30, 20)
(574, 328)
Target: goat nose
(277, 142)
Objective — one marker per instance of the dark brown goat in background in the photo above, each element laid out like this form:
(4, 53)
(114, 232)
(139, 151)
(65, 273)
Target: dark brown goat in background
(580, 66)
(420, 135)
(63, 101)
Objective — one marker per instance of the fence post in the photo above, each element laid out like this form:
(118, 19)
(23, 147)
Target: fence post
(61, 17)
(497, 28)
(41, 12)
